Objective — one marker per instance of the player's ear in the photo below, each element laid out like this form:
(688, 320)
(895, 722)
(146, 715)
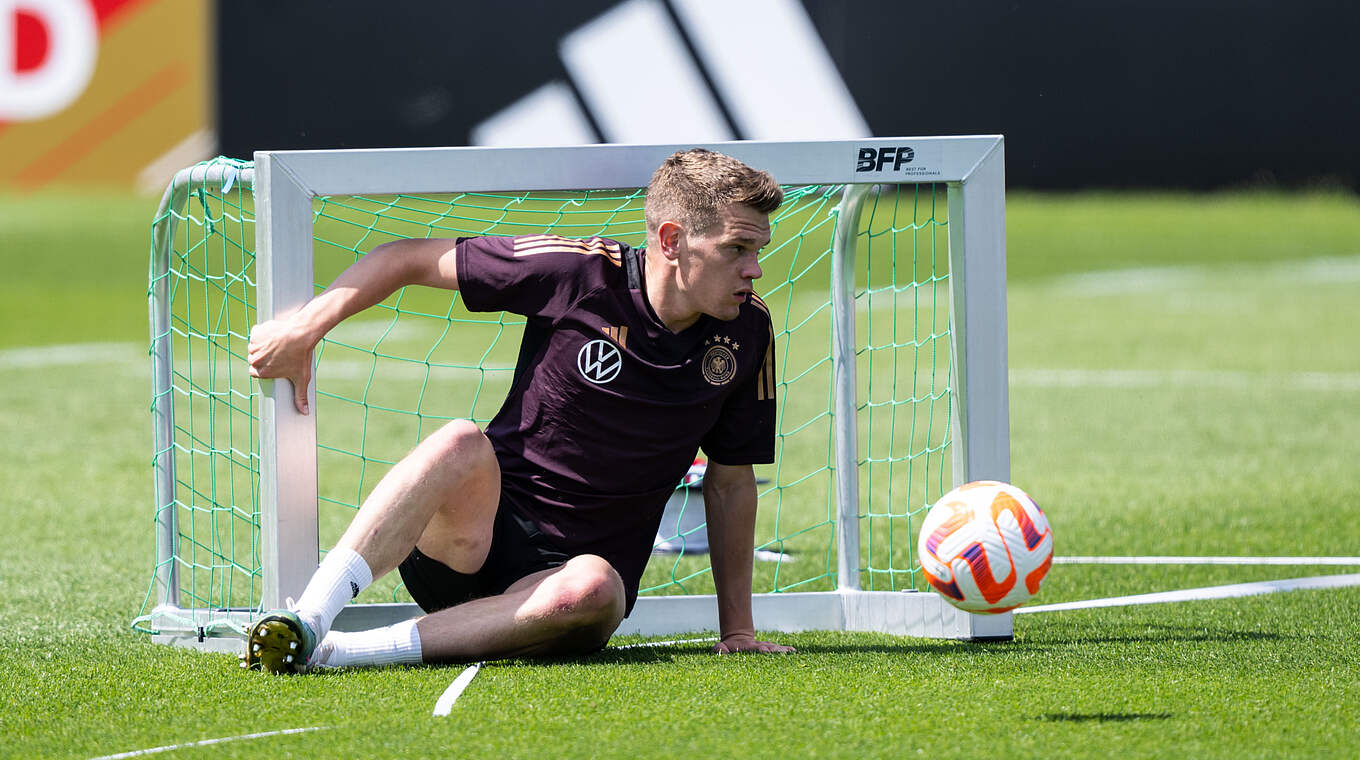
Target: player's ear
(671, 236)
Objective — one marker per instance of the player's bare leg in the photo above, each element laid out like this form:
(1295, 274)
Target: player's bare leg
(572, 609)
(443, 495)
(569, 610)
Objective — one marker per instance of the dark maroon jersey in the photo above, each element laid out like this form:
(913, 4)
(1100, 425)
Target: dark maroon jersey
(608, 407)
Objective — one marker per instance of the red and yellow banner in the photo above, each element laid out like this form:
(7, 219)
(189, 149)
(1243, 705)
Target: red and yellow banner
(110, 92)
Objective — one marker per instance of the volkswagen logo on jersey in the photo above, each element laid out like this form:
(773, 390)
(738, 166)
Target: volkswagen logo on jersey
(599, 361)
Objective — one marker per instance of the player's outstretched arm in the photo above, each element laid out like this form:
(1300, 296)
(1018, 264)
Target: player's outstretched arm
(282, 347)
(730, 503)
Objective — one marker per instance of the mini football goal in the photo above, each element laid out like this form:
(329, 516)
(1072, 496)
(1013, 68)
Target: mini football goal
(885, 279)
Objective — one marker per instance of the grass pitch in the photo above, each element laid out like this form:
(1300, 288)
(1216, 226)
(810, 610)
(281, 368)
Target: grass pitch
(1186, 380)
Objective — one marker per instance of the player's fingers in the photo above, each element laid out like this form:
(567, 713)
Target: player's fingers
(300, 384)
(254, 343)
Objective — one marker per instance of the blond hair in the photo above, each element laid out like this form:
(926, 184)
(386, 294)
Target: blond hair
(693, 186)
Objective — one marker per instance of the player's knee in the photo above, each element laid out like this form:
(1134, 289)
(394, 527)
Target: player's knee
(460, 441)
(602, 591)
(588, 597)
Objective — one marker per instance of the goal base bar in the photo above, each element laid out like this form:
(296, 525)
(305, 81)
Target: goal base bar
(902, 613)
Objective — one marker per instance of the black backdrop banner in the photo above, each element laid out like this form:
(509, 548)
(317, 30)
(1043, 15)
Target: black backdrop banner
(1193, 94)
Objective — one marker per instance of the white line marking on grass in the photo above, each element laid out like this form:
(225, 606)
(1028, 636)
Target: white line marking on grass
(370, 331)
(208, 742)
(1186, 378)
(672, 642)
(1133, 280)
(39, 357)
(1326, 269)
(445, 702)
(1208, 592)
(1078, 560)
(404, 369)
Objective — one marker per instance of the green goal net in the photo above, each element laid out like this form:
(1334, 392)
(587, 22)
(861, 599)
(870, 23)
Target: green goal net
(393, 374)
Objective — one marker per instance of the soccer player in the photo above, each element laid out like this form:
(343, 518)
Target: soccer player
(530, 538)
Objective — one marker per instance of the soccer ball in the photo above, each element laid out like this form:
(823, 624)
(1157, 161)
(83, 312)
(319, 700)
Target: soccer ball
(985, 546)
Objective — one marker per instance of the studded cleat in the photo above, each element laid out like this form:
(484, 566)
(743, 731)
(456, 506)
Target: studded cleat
(278, 642)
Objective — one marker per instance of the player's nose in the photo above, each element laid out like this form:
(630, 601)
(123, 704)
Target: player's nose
(751, 270)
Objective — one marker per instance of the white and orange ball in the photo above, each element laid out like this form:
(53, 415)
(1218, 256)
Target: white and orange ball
(985, 547)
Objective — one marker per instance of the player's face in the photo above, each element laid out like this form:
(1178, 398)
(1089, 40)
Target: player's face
(723, 264)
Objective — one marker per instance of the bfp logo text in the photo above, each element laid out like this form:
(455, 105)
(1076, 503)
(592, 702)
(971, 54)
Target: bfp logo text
(876, 159)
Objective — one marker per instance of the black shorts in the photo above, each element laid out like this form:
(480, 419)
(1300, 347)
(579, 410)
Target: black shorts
(518, 548)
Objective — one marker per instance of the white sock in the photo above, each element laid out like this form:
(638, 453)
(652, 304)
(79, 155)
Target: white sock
(397, 644)
(342, 575)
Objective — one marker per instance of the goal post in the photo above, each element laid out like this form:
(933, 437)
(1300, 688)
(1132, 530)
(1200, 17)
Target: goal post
(886, 281)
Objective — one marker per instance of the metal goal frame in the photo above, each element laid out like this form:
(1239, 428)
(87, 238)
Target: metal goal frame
(286, 182)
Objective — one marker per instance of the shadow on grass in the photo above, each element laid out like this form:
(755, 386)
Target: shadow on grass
(1027, 646)
(1154, 634)
(1103, 717)
(644, 654)
(917, 646)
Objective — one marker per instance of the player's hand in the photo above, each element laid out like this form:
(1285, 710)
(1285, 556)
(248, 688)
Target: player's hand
(742, 642)
(280, 349)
